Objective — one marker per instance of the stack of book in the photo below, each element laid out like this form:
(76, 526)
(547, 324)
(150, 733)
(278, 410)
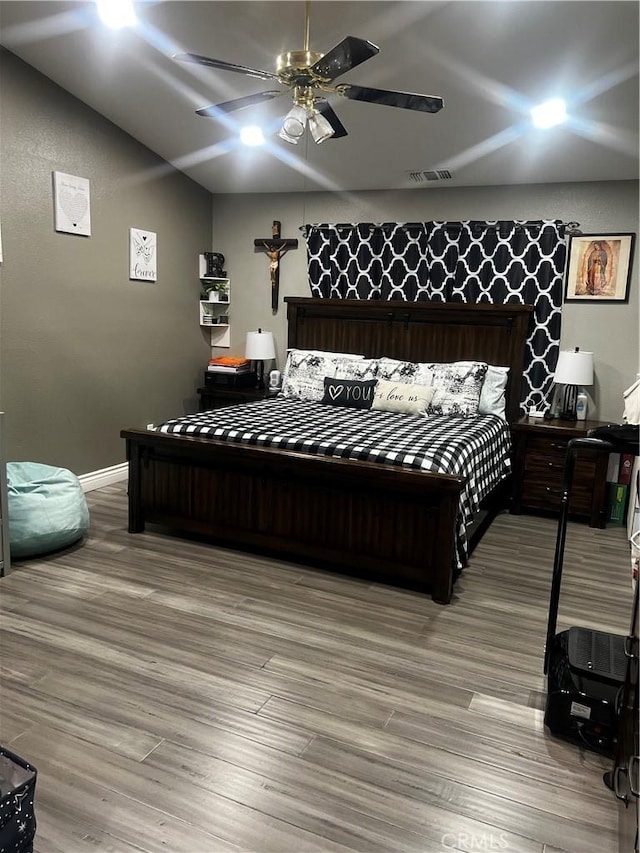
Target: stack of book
(618, 481)
(229, 370)
(228, 364)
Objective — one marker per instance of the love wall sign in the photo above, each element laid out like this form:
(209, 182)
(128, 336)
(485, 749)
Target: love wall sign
(72, 207)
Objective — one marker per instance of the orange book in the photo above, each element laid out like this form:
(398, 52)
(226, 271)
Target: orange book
(229, 361)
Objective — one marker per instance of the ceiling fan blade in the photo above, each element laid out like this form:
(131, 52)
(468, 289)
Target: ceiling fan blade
(326, 110)
(404, 100)
(224, 66)
(237, 104)
(343, 57)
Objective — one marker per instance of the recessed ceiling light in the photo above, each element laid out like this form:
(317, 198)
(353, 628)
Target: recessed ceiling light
(550, 113)
(117, 13)
(252, 135)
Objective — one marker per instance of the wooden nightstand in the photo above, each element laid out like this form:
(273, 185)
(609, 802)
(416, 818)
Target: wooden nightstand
(214, 398)
(540, 448)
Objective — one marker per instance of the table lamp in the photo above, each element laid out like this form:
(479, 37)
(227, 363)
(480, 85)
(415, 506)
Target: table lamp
(260, 348)
(574, 368)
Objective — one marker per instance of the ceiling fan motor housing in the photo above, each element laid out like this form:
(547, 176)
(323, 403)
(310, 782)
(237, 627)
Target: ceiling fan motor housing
(294, 67)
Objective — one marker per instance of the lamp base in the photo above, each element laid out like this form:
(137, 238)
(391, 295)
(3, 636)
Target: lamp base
(260, 372)
(568, 404)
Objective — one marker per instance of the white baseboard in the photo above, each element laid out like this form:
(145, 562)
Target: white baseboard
(104, 477)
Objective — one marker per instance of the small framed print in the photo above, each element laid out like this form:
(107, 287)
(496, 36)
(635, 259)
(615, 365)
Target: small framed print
(142, 255)
(71, 204)
(599, 267)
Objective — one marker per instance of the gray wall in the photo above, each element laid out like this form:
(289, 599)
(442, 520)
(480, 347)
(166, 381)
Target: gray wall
(610, 331)
(84, 351)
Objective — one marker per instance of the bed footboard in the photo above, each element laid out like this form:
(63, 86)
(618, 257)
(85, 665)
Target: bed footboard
(390, 524)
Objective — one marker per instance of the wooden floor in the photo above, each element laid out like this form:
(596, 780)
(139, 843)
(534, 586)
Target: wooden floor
(175, 696)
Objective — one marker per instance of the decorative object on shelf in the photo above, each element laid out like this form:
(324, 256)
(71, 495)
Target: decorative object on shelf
(599, 267)
(259, 348)
(71, 204)
(276, 248)
(214, 262)
(217, 291)
(215, 300)
(142, 255)
(574, 368)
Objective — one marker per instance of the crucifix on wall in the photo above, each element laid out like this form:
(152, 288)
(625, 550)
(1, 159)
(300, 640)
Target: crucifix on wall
(275, 246)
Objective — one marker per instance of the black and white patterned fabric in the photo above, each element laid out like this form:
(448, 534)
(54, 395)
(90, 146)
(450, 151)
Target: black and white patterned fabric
(474, 448)
(471, 261)
(305, 371)
(457, 384)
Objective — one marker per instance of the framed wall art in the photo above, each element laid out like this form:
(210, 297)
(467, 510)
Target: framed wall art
(71, 204)
(599, 267)
(142, 255)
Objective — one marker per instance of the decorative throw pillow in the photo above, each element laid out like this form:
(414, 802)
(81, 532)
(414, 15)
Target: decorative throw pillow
(458, 386)
(415, 372)
(338, 355)
(355, 393)
(402, 397)
(362, 368)
(493, 393)
(303, 375)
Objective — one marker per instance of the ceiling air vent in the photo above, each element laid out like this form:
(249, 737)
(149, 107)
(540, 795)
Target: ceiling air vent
(430, 175)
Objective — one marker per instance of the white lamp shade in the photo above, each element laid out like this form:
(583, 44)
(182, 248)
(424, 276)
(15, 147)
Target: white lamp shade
(259, 346)
(574, 367)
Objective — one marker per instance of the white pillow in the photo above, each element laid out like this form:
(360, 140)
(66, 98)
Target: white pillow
(402, 397)
(493, 394)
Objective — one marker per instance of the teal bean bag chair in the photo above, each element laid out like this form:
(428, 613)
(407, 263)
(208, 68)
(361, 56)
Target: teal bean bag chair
(47, 508)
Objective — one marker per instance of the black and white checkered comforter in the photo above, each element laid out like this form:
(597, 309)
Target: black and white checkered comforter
(474, 448)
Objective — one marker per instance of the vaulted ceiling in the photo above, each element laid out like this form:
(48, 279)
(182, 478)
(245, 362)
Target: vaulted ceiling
(489, 61)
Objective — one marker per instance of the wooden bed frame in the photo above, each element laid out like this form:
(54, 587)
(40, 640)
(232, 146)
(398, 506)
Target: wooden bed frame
(394, 525)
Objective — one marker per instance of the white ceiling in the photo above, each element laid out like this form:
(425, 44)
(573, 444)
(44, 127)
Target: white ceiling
(490, 61)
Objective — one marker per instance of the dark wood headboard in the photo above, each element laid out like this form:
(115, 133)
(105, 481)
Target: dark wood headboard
(416, 331)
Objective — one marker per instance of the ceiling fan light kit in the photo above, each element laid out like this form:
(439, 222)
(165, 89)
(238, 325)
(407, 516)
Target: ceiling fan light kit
(320, 128)
(294, 124)
(310, 74)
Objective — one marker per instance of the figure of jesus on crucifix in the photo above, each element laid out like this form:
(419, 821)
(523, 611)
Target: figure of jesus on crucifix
(276, 248)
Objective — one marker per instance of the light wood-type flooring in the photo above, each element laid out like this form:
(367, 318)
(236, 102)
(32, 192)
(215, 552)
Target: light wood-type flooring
(177, 696)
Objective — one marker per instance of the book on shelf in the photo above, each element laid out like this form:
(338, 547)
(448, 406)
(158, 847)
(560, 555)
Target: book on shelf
(220, 369)
(228, 364)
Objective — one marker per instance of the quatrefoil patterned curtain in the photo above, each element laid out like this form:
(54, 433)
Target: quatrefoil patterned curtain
(471, 261)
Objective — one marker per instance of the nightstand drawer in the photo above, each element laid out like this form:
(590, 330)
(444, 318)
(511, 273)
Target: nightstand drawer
(542, 445)
(550, 470)
(548, 496)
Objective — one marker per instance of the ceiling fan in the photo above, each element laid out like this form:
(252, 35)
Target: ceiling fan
(309, 75)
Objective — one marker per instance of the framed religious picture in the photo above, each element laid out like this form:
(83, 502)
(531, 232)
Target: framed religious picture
(599, 267)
